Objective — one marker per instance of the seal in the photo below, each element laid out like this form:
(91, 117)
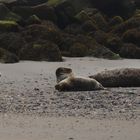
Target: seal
(125, 77)
(66, 81)
(63, 73)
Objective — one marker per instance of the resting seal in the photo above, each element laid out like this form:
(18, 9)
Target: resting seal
(125, 77)
(68, 82)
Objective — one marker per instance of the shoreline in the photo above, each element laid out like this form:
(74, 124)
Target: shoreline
(70, 128)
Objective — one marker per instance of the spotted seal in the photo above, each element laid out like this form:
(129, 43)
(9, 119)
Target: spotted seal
(125, 77)
(67, 81)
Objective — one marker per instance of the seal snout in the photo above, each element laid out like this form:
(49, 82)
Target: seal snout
(58, 87)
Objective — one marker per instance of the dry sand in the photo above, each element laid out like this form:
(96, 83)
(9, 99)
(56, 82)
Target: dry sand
(40, 112)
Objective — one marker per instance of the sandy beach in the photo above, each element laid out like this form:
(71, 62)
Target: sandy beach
(31, 109)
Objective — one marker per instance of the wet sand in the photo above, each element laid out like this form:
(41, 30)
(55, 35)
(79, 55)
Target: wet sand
(27, 91)
(70, 128)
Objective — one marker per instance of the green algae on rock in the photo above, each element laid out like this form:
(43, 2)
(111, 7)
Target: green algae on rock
(7, 25)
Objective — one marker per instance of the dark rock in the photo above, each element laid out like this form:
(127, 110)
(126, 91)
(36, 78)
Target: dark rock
(88, 26)
(92, 48)
(86, 14)
(8, 57)
(78, 50)
(6, 14)
(73, 29)
(116, 20)
(115, 7)
(100, 21)
(132, 36)
(12, 42)
(65, 13)
(130, 50)
(137, 2)
(45, 31)
(33, 20)
(131, 23)
(100, 36)
(8, 26)
(43, 11)
(41, 52)
(114, 43)
(103, 52)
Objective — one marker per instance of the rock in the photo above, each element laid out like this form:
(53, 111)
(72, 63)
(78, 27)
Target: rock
(8, 26)
(94, 16)
(137, 2)
(7, 57)
(12, 42)
(73, 29)
(65, 13)
(78, 50)
(130, 50)
(41, 52)
(115, 7)
(43, 11)
(132, 36)
(100, 36)
(88, 26)
(92, 48)
(86, 14)
(116, 20)
(100, 21)
(131, 23)
(114, 43)
(33, 20)
(45, 31)
(103, 52)
(6, 14)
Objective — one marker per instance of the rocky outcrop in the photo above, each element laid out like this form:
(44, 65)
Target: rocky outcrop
(8, 57)
(76, 28)
(46, 51)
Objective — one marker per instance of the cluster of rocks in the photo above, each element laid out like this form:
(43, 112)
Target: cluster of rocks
(50, 29)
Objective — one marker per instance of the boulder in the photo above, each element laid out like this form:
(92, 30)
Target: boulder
(130, 50)
(132, 36)
(94, 16)
(33, 20)
(6, 14)
(86, 46)
(100, 21)
(8, 57)
(116, 20)
(65, 13)
(100, 36)
(133, 22)
(114, 43)
(43, 11)
(78, 50)
(12, 42)
(46, 51)
(45, 31)
(115, 7)
(103, 52)
(8, 26)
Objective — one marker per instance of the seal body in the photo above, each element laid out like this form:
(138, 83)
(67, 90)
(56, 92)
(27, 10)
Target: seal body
(68, 82)
(126, 77)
